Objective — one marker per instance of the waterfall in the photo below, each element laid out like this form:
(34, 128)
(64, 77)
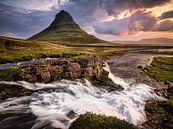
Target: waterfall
(61, 106)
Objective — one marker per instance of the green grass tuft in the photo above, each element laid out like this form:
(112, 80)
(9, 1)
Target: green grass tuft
(7, 73)
(92, 121)
(161, 69)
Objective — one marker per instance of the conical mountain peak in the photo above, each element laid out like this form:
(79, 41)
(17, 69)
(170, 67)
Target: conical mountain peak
(64, 29)
(62, 20)
(62, 17)
(63, 13)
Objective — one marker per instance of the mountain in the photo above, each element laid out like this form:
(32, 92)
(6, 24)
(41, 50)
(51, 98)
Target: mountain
(151, 41)
(64, 30)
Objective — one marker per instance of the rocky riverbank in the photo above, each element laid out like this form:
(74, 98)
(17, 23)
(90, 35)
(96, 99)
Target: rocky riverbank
(132, 65)
(55, 69)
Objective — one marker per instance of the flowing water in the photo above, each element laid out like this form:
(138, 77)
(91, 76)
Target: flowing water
(59, 107)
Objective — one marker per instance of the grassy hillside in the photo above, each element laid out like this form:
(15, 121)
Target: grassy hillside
(15, 49)
(12, 50)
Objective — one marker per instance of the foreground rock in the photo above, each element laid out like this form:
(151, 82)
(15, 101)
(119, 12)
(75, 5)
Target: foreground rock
(56, 69)
(160, 113)
(10, 91)
(49, 70)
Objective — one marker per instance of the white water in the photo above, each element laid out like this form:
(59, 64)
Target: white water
(83, 97)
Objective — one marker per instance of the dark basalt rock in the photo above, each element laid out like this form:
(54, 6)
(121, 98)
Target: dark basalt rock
(10, 91)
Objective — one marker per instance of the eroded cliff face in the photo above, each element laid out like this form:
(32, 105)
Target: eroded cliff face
(62, 68)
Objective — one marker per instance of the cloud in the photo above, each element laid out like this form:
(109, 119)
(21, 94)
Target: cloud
(142, 21)
(27, 17)
(115, 7)
(39, 5)
(115, 27)
(139, 21)
(21, 22)
(164, 26)
(166, 15)
(153, 3)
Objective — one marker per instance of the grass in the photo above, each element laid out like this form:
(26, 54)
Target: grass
(92, 121)
(7, 73)
(55, 75)
(161, 114)
(13, 50)
(161, 69)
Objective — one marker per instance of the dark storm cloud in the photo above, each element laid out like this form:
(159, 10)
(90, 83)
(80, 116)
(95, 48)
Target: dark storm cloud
(87, 11)
(166, 15)
(153, 3)
(164, 26)
(20, 22)
(22, 18)
(114, 7)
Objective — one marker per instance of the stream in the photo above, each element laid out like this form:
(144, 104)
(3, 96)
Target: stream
(58, 108)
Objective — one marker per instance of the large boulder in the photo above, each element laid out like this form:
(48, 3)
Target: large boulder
(62, 68)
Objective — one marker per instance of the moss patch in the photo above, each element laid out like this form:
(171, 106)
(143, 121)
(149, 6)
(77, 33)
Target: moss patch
(92, 121)
(56, 75)
(105, 81)
(7, 73)
(161, 69)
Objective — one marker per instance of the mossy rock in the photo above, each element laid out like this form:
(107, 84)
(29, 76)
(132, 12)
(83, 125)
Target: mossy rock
(92, 121)
(10, 91)
(56, 75)
(105, 82)
(160, 114)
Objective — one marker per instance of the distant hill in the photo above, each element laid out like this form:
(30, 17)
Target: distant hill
(64, 30)
(151, 41)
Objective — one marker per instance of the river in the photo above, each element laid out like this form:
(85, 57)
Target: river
(59, 107)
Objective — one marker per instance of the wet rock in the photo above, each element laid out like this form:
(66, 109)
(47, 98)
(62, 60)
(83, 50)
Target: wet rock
(9, 91)
(62, 68)
(167, 83)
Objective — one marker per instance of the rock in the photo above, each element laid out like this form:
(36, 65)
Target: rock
(140, 67)
(167, 83)
(46, 71)
(62, 68)
(9, 91)
(88, 72)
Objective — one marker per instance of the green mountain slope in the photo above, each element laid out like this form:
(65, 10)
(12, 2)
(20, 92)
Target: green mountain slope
(64, 30)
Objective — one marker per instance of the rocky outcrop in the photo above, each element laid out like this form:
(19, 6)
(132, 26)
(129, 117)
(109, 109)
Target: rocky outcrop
(48, 70)
(62, 68)
(159, 113)
(10, 91)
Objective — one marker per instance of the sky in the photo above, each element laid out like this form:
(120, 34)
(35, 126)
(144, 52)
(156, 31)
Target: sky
(106, 19)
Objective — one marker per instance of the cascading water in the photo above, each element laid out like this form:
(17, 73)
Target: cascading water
(68, 99)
